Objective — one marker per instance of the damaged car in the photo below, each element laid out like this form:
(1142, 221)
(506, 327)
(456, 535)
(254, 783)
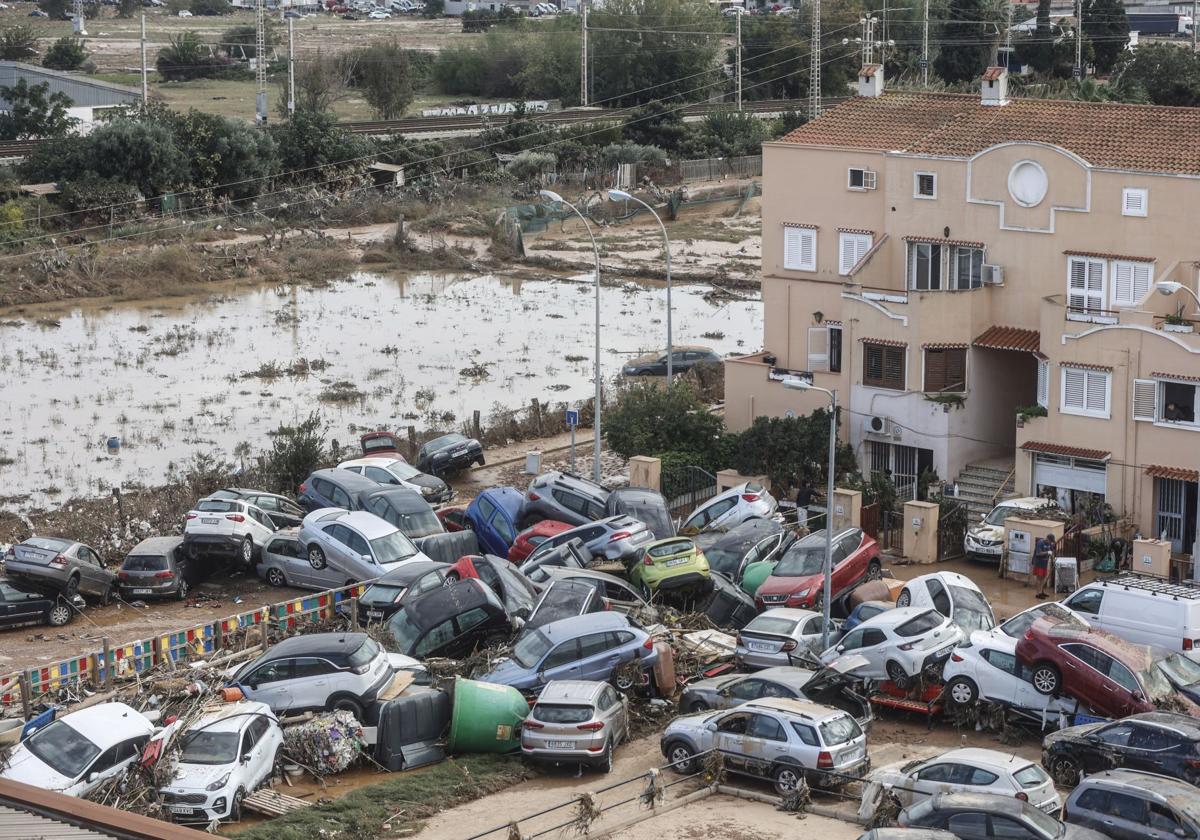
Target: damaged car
(774, 636)
(517, 592)
(1156, 742)
(899, 644)
(576, 722)
(970, 770)
(450, 621)
(826, 686)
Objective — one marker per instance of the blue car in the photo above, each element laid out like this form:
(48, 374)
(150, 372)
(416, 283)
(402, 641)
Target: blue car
(865, 610)
(584, 647)
(493, 516)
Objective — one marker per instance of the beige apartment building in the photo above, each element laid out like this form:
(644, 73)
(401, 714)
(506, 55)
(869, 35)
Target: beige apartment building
(944, 260)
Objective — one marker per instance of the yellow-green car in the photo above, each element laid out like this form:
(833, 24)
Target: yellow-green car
(670, 564)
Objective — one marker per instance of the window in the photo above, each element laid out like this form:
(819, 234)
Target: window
(1094, 799)
(835, 349)
(946, 369)
(747, 690)
(924, 266)
(734, 724)
(308, 667)
(1130, 281)
(924, 185)
(1179, 403)
(766, 728)
(339, 497)
(799, 248)
(883, 366)
(1126, 807)
(941, 598)
(439, 635)
(1133, 201)
(872, 637)
(1006, 662)
(1163, 819)
(594, 644)
(1043, 383)
(969, 826)
(1087, 601)
(860, 179)
(852, 247)
(1122, 676)
(1004, 828)
(818, 348)
(967, 266)
(807, 734)
(1117, 736)
(1145, 399)
(1085, 285)
(500, 522)
(1085, 392)
(937, 773)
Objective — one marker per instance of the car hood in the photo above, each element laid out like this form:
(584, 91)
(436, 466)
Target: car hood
(24, 766)
(983, 531)
(196, 777)
(711, 684)
(784, 585)
(1070, 733)
(426, 480)
(1078, 832)
(509, 672)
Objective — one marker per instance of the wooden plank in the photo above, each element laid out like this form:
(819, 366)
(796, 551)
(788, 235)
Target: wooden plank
(273, 803)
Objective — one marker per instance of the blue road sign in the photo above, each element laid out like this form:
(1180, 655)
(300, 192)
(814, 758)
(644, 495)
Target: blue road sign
(572, 417)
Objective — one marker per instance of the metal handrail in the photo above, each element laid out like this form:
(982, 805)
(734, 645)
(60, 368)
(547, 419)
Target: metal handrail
(1003, 484)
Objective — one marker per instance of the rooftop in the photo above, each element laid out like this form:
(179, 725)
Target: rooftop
(1149, 138)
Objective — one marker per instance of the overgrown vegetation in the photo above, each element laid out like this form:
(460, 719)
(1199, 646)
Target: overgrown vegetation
(67, 53)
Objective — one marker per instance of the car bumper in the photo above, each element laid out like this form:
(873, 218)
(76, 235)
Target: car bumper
(981, 550)
(938, 656)
(197, 807)
(753, 659)
(228, 543)
(139, 590)
(584, 752)
(857, 769)
(369, 615)
(36, 573)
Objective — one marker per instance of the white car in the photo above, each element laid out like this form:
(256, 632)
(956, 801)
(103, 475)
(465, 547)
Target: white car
(184, 13)
(396, 472)
(78, 752)
(970, 770)
(379, 14)
(731, 508)
(898, 644)
(987, 668)
(954, 596)
(227, 526)
(772, 637)
(223, 758)
(1016, 626)
(985, 541)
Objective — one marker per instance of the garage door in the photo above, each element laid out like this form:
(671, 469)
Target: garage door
(1069, 473)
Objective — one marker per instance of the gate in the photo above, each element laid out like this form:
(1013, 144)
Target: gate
(686, 487)
(952, 528)
(870, 519)
(890, 534)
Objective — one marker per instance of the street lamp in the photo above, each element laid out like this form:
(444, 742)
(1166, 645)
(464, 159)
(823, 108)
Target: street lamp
(621, 195)
(1170, 287)
(549, 195)
(794, 384)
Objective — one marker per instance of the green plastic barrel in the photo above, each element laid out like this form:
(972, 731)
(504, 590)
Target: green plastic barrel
(755, 574)
(486, 717)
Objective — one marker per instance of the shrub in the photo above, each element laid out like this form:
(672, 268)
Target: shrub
(296, 451)
(66, 53)
(187, 57)
(96, 199)
(18, 43)
(650, 420)
(210, 7)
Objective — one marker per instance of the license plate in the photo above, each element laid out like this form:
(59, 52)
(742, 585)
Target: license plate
(141, 592)
(374, 613)
(560, 745)
(678, 561)
(182, 810)
(762, 647)
(207, 521)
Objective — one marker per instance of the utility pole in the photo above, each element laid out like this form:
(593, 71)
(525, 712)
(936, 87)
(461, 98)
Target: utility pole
(260, 61)
(883, 46)
(925, 46)
(739, 59)
(291, 67)
(868, 39)
(145, 85)
(1008, 39)
(583, 54)
(1193, 25)
(1078, 72)
(814, 65)
(77, 25)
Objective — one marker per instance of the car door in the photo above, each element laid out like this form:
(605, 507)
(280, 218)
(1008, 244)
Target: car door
(438, 638)
(1148, 749)
(261, 526)
(599, 655)
(469, 630)
(874, 648)
(764, 743)
(336, 542)
(93, 579)
(730, 738)
(311, 682)
(969, 825)
(382, 476)
(724, 514)
(702, 518)
(503, 528)
(1126, 817)
(846, 573)
(1106, 749)
(1087, 604)
(621, 596)
(1007, 828)
(1165, 824)
(998, 680)
(740, 692)
(938, 596)
(110, 763)
(269, 683)
(17, 607)
(562, 663)
(928, 780)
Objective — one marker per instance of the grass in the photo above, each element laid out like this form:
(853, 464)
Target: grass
(416, 796)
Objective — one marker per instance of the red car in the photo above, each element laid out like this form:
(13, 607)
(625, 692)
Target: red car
(798, 579)
(453, 518)
(1113, 677)
(381, 445)
(531, 538)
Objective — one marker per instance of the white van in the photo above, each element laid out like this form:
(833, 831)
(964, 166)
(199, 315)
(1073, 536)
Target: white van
(1143, 610)
(985, 541)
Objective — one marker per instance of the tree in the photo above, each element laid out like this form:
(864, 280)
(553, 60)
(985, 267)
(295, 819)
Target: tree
(321, 82)
(240, 42)
(1039, 51)
(650, 420)
(34, 112)
(128, 151)
(312, 140)
(1107, 30)
(210, 7)
(67, 53)
(969, 41)
(385, 78)
(187, 57)
(656, 124)
(784, 448)
(227, 156)
(18, 43)
(296, 451)
(433, 8)
(126, 8)
(1167, 74)
(774, 58)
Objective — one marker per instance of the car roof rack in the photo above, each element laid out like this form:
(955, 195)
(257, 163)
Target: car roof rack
(1156, 586)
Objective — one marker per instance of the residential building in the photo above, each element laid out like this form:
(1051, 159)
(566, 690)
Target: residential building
(943, 260)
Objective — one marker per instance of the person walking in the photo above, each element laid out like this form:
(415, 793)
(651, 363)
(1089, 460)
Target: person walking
(1043, 556)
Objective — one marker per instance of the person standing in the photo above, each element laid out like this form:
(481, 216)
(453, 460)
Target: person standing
(1043, 556)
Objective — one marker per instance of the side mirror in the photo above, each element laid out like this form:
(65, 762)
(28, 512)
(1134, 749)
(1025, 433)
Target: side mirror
(711, 726)
(366, 558)
(93, 776)
(245, 759)
(840, 648)
(1137, 696)
(1180, 832)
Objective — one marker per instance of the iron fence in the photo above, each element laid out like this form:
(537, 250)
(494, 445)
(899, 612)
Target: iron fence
(685, 487)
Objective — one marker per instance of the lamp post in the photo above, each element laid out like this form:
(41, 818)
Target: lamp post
(553, 196)
(621, 195)
(1170, 287)
(805, 385)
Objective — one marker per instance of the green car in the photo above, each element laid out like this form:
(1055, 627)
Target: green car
(755, 573)
(671, 564)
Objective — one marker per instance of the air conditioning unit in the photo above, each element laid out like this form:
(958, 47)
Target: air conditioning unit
(993, 275)
(877, 426)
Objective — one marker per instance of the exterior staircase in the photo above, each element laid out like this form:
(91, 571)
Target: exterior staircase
(980, 484)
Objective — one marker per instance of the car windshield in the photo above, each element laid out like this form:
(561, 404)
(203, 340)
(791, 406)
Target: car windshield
(530, 649)
(724, 560)
(801, 561)
(1157, 686)
(971, 611)
(839, 731)
(393, 548)
(1031, 776)
(444, 441)
(403, 470)
(919, 624)
(1046, 825)
(144, 563)
(1179, 669)
(68, 752)
(404, 630)
(668, 548)
(654, 515)
(206, 747)
(772, 624)
(561, 713)
(365, 654)
(377, 594)
(999, 514)
(219, 506)
(418, 523)
(1018, 624)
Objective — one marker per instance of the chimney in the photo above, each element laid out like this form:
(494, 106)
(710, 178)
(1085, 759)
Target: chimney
(870, 80)
(994, 87)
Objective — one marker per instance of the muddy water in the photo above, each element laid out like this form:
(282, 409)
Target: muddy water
(176, 377)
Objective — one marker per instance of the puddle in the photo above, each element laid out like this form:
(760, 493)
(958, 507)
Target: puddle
(173, 378)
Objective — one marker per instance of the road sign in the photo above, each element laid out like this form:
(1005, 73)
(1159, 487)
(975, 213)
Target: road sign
(572, 417)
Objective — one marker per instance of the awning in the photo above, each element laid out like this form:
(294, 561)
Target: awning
(1100, 255)
(938, 240)
(1009, 338)
(887, 342)
(945, 345)
(1177, 473)
(1065, 451)
(1186, 377)
(1085, 366)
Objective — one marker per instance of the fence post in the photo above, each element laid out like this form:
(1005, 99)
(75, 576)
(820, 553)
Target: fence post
(26, 698)
(536, 408)
(412, 443)
(218, 636)
(354, 613)
(476, 431)
(105, 651)
(266, 639)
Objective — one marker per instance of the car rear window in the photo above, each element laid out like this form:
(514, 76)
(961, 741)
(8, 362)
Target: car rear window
(919, 624)
(772, 624)
(219, 506)
(839, 731)
(561, 713)
(1031, 776)
(672, 547)
(366, 652)
(47, 543)
(381, 594)
(144, 563)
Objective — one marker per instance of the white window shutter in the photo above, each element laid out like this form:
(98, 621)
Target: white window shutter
(846, 259)
(861, 247)
(1145, 399)
(869, 179)
(808, 249)
(1074, 389)
(1123, 283)
(1085, 284)
(1141, 280)
(1133, 202)
(800, 249)
(818, 348)
(1043, 383)
(1097, 392)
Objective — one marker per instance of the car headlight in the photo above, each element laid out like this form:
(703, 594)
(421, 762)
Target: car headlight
(219, 783)
(802, 593)
(427, 491)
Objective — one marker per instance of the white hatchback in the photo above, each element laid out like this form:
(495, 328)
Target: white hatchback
(971, 770)
(731, 508)
(954, 596)
(898, 644)
(987, 668)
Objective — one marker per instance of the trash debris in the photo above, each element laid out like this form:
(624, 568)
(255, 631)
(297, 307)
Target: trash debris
(325, 745)
(798, 800)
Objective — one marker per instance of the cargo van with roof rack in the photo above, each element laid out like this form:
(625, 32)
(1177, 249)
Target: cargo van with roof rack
(1145, 610)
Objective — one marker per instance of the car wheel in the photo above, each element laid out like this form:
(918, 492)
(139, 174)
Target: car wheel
(316, 557)
(697, 706)
(348, 704)
(787, 779)
(182, 592)
(962, 692)
(681, 758)
(623, 682)
(905, 599)
(276, 577)
(897, 675)
(874, 570)
(450, 579)
(110, 595)
(1046, 679)
(1065, 771)
(235, 809)
(72, 588)
(248, 551)
(58, 615)
(605, 764)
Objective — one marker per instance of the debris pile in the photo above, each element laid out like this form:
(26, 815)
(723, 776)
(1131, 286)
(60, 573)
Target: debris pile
(325, 745)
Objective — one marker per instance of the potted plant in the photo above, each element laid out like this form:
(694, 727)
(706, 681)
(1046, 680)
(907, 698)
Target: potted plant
(1175, 322)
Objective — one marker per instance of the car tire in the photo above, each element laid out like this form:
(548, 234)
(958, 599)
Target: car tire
(605, 764)
(316, 557)
(681, 757)
(905, 598)
(874, 569)
(235, 808)
(787, 778)
(276, 577)
(247, 552)
(72, 587)
(109, 595)
(59, 614)
(962, 692)
(181, 592)
(697, 706)
(623, 684)
(450, 579)
(1046, 679)
(348, 704)
(897, 675)
(1065, 771)
(480, 461)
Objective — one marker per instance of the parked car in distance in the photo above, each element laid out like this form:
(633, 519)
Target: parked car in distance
(229, 527)
(356, 544)
(63, 565)
(23, 603)
(576, 722)
(970, 770)
(617, 593)
(450, 621)
(564, 497)
(406, 509)
(533, 536)
(644, 505)
(982, 816)
(598, 646)
(1131, 805)
(80, 751)
(449, 453)
(985, 667)
(381, 444)
(493, 515)
(953, 595)
(673, 564)
(682, 359)
(1143, 610)
(613, 538)
(775, 636)
(1154, 742)
(382, 599)
(865, 610)
(564, 599)
(985, 541)
(731, 508)
(729, 552)
(798, 578)
(280, 509)
(157, 567)
(395, 471)
(786, 741)
(317, 672)
(224, 757)
(827, 687)
(899, 644)
(336, 488)
(517, 592)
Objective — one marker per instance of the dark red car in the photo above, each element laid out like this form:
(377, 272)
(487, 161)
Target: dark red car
(381, 445)
(453, 518)
(798, 579)
(532, 537)
(1112, 676)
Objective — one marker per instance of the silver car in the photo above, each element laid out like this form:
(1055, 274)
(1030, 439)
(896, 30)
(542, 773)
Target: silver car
(563, 497)
(779, 636)
(612, 538)
(285, 563)
(733, 507)
(355, 545)
(576, 722)
(68, 566)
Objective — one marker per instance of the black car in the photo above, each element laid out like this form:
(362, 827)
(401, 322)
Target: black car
(571, 554)
(381, 599)
(986, 816)
(450, 621)
(449, 453)
(405, 509)
(729, 552)
(565, 599)
(682, 359)
(1156, 742)
(727, 605)
(645, 505)
(24, 604)
(283, 511)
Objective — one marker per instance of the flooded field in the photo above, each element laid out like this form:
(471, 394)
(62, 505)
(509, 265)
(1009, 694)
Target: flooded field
(176, 377)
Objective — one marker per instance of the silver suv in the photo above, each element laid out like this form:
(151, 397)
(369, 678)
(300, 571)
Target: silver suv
(778, 739)
(1131, 805)
(563, 497)
(66, 565)
(576, 722)
(612, 538)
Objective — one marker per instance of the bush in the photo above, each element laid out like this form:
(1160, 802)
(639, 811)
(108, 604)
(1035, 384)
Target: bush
(18, 43)
(385, 77)
(296, 451)
(529, 166)
(66, 53)
(242, 41)
(210, 7)
(12, 221)
(187, 57)
(650, 420)
(96, 199)
(314, 141)
(785, 448)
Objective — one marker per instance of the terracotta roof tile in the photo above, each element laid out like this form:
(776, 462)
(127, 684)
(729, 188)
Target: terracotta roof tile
(1149, 138)
(1103, 256)
(1063, 449)
(801, 225)
(888, 342)
(1085, 365)
(945, 345)
(938, 240)
(992, 74)
(863, 231)
(869, 70)
(1186, 377)
(1009, 338)
(1177, 473)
